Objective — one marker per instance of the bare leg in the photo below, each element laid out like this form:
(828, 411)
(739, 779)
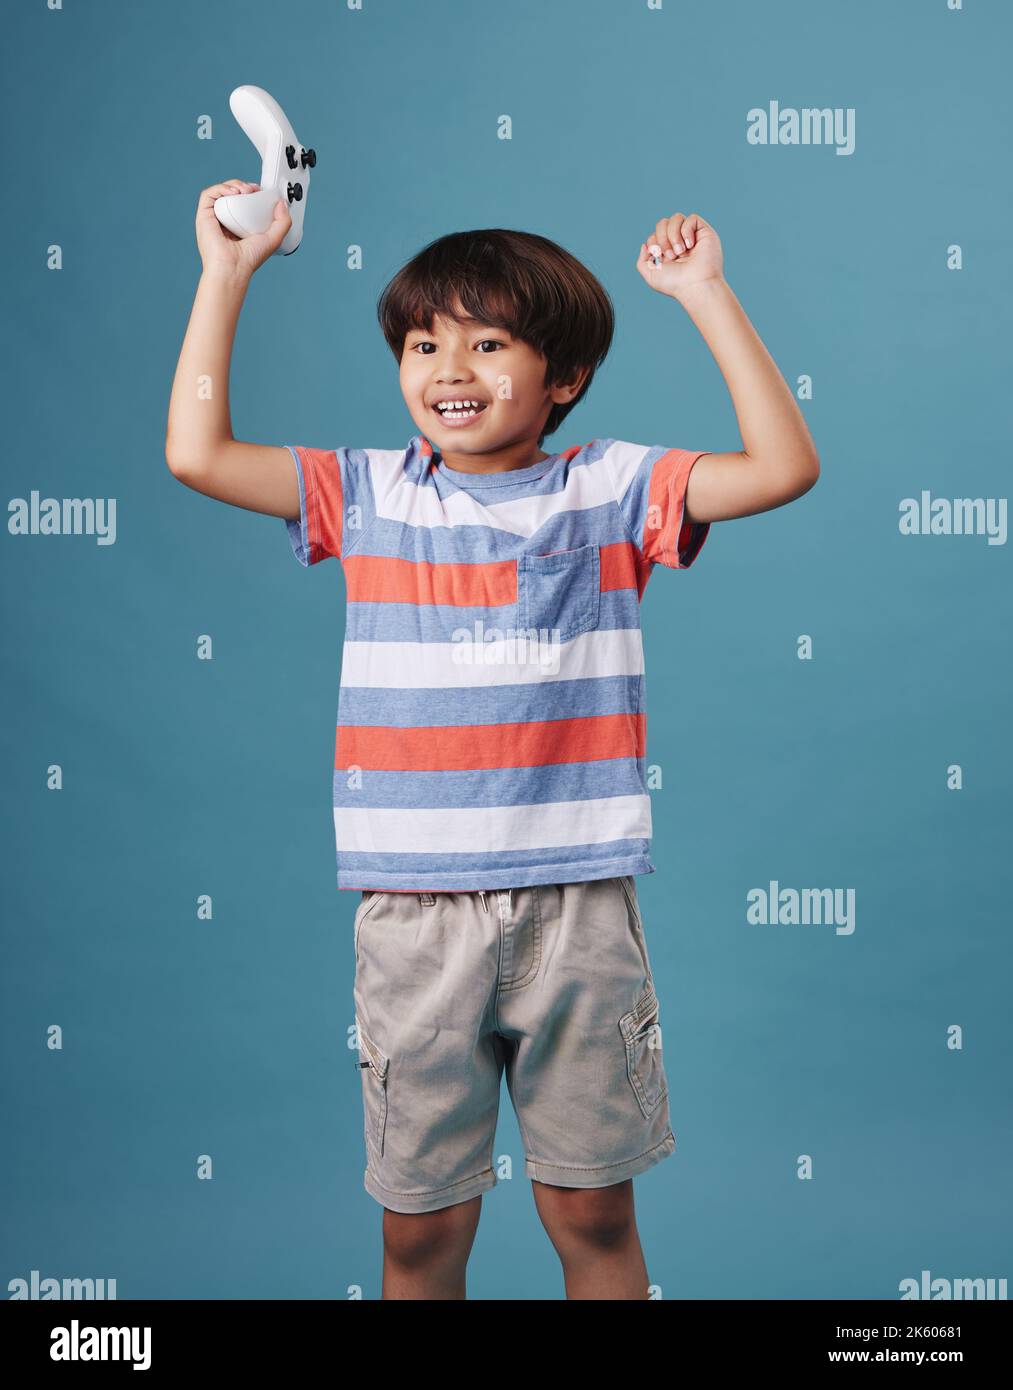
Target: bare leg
(425, 1254)
(594, 1231)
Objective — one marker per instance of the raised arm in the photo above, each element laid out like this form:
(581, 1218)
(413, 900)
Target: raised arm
(199, 445)
(779, 461)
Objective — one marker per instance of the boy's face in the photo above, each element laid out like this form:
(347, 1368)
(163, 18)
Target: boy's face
(462, 361)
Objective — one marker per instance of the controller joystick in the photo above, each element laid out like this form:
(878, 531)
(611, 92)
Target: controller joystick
(246, 214)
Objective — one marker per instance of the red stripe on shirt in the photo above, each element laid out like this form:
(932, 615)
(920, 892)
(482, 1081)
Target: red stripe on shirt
(442, 748)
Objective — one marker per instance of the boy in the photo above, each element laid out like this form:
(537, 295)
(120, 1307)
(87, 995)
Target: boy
(490, 800)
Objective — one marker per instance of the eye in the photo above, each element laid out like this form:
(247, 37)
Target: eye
(492, 343)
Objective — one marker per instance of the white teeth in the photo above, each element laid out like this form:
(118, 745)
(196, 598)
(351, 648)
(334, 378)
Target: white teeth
(458, 410)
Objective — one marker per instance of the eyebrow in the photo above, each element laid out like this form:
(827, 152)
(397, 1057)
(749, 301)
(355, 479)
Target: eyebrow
(478, 323)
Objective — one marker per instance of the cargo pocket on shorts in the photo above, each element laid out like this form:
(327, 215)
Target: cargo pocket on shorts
(560, 592)
(374, 1063)
(644, 1066)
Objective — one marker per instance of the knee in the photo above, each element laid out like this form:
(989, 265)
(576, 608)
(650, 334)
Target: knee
(599, 1218)
(420, 1239)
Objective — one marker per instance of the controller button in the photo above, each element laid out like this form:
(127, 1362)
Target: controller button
(295, 192)
(309, 157)
(293, 163)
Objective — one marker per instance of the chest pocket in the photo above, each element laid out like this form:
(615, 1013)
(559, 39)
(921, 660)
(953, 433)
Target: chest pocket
(559, 591)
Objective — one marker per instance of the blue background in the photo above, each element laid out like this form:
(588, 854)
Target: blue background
(184, 777)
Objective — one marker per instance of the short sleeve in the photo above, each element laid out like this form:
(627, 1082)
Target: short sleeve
(650, 484)
(316, 534)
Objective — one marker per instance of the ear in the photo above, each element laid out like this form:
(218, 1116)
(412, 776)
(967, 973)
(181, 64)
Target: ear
(561, 394)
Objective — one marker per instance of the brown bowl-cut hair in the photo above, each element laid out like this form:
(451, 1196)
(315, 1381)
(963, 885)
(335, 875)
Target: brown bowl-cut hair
(517, 281)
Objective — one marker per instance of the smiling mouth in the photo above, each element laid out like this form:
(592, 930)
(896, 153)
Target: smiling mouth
(458, 411)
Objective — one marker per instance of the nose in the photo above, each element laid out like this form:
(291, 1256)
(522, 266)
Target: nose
(452, 367)
(449, 374)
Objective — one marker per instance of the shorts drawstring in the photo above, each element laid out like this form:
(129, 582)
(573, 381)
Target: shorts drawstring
(508, 892)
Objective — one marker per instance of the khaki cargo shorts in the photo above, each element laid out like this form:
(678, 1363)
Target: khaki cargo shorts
(551, 984)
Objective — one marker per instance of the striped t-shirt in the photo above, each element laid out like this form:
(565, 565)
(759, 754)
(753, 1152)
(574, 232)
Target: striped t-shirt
(491, 724)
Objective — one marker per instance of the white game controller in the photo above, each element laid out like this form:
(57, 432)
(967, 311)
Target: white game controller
(284, 173)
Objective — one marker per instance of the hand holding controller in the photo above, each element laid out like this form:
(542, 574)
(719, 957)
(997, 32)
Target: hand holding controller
(285, 170)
